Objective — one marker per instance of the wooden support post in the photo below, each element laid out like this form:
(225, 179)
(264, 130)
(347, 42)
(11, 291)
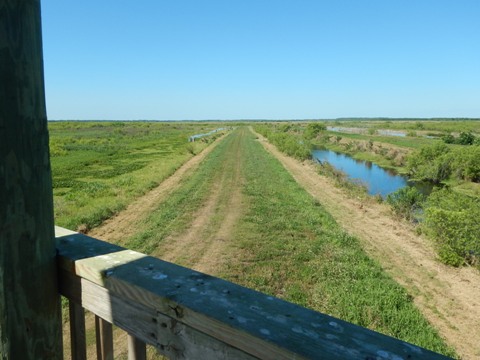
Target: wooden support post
(104, 333)
(137, 349)
(30, 319)
(77, 331)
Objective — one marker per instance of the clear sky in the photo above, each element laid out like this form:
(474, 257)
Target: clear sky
(261, 59)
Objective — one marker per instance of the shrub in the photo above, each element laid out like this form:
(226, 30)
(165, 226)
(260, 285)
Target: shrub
(430, 163)
(313, 129)
(448, 139)
(419, 125)
(466, 138)
(291, 145)
(406, 202)
(451, 219)
(466, 163)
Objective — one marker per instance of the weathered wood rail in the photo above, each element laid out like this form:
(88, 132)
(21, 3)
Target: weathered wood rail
(189, 315)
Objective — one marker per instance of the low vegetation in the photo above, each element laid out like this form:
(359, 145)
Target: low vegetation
(450, 216)
(440, 162)
(407, 203)
(287, 138)
(99, 167)
(452, 219)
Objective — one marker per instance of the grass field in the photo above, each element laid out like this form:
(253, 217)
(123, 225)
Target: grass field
(99, 167)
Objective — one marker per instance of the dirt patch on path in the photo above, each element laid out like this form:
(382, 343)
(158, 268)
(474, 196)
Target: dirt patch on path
(448, 297)
(123, 225)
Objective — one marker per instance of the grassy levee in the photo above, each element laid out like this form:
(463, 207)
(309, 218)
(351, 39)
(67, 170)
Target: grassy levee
(287, 245)
(99, 167)
(176, 214)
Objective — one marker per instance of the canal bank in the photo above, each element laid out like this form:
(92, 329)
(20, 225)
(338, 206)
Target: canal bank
(438, 290)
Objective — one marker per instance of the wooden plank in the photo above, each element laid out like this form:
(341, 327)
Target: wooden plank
(30, 318)
(257, 324)
(77, 331)
(137, 349)
(104, 333)
(172, 338)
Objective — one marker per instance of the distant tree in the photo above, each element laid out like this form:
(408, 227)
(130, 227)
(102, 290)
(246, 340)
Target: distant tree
(313, 129)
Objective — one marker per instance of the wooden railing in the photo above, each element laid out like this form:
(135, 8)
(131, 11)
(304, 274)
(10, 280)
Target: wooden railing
(185, 314)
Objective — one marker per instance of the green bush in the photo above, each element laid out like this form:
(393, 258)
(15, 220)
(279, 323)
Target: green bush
(288, 143)
(313, 129)
(430, 163)
(466, 138)
(452, 219)
(448, 139)
(466, 163)
(406, 202)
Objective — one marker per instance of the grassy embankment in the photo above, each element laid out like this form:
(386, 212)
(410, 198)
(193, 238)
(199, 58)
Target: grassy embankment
(99, 167)
(287, 245)
(451, 214)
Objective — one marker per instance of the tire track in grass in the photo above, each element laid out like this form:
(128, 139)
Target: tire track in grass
(203, 245)
(448, 297)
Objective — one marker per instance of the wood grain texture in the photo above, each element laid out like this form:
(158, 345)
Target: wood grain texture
(77, 331)
(172, 338)
(192, 303)
(30, 319)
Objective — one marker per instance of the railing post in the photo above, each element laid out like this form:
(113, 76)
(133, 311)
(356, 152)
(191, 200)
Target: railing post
(137, 349)
(30, 319)
(77, 331)
(104, 331)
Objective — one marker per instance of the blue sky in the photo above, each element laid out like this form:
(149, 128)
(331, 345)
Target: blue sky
(259, 59)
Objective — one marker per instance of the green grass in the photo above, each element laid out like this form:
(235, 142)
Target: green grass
(289, 246)
(296, 250)
(175, 214)
(407, 141)
(99, 167)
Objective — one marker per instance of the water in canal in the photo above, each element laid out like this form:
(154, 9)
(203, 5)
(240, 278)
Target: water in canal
(378, 180)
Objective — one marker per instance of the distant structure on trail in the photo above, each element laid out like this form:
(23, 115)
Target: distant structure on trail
(198, 136)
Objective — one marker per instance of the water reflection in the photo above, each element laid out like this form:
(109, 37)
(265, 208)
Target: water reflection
(378, 180)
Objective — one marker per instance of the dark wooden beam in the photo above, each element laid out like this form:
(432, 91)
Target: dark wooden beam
(30, 319)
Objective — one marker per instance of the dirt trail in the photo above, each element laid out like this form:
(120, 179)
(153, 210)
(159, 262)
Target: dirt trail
(120, 227)
(204, 245)
(448, 297)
